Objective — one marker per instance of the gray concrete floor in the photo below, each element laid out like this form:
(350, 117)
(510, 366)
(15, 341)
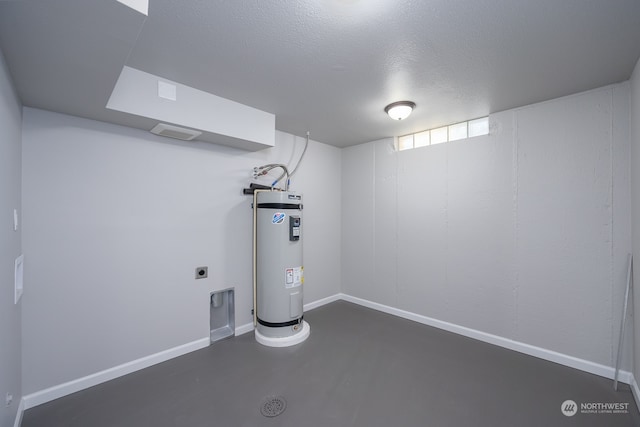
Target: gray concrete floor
(359, 367)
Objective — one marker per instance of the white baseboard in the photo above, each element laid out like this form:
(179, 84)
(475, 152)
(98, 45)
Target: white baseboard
(542, 353)
(324, 301)
(43, 396)
(51, 393)
(243, 329)
(19, 414)
(635, 390)
(55, 392)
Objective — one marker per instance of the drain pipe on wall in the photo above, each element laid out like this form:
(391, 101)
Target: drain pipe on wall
(306, 145)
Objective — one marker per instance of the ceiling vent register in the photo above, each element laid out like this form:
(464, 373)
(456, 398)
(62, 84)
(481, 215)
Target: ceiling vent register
(175, 132)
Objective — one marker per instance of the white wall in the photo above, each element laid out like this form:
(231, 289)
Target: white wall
(635, 196)
(523, 234)
(117, 219)
(10, 245)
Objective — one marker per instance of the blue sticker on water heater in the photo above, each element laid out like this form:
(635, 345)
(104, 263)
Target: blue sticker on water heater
(278, 218)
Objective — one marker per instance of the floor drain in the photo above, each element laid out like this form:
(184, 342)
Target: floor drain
(273, 406)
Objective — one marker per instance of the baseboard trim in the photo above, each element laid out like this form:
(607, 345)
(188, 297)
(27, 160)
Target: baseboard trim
(531, 350)
(55, 392)
(19, 414)
(635, 390)
(323, 301)
(243, 329)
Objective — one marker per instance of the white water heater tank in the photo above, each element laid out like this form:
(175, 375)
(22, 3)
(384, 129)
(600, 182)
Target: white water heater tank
(279, 269)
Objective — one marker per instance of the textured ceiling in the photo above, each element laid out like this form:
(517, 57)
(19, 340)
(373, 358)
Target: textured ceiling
(328, 66)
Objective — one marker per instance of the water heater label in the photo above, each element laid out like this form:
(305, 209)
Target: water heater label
(293, 277)
(278, 218)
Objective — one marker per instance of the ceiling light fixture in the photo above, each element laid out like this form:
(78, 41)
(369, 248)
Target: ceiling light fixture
(400, 110)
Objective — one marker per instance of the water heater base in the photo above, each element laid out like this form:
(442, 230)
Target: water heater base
(285, 341)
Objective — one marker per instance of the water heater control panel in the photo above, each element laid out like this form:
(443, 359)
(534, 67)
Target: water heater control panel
(294, 228)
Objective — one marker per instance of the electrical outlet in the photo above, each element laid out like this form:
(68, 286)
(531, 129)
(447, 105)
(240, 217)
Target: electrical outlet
(9, 399)
(202, 272)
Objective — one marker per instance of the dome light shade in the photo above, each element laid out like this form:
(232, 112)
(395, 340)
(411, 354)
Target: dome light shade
(400, 110)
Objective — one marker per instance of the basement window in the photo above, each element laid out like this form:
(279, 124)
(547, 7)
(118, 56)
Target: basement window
(440, 135)
(454, 132)
(479, 127)
(421, 139)
(458, 131)
(405, 142)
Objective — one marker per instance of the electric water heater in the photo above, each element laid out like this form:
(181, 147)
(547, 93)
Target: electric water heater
(279, 269)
